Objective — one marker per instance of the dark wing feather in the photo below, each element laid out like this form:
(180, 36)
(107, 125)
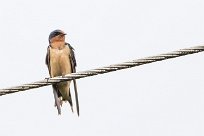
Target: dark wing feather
(47, 58)
(72, 56)
(73, 66)
(55, 91)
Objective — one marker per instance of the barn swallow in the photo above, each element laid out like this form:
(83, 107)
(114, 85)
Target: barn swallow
(60, 60)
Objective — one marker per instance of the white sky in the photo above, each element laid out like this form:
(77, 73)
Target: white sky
(158, 99)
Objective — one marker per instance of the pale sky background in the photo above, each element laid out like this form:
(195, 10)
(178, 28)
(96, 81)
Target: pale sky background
(159, 99)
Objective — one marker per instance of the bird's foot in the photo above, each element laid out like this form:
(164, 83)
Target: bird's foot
(47, 78)
(63, 74)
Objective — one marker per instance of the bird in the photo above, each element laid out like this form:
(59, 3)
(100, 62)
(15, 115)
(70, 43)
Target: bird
(60, 60)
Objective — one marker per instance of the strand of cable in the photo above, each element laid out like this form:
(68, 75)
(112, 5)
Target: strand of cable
(102, 70)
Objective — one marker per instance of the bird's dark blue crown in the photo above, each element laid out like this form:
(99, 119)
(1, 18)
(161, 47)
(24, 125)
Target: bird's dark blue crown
(55, 33)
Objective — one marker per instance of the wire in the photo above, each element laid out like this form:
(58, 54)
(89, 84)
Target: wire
(102, 70)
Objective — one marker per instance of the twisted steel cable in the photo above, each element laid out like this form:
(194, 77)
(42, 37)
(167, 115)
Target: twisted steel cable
(102, 70)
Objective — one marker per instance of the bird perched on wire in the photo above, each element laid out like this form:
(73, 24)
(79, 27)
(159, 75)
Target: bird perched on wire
(60, 60)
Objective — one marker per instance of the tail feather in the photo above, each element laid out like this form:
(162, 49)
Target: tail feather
(57, 99)
(76, 96)
(70, 100)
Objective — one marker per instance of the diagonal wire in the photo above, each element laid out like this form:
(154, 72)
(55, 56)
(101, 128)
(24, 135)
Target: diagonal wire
(102, 70)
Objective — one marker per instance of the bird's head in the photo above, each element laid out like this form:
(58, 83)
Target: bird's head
(56, 35)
